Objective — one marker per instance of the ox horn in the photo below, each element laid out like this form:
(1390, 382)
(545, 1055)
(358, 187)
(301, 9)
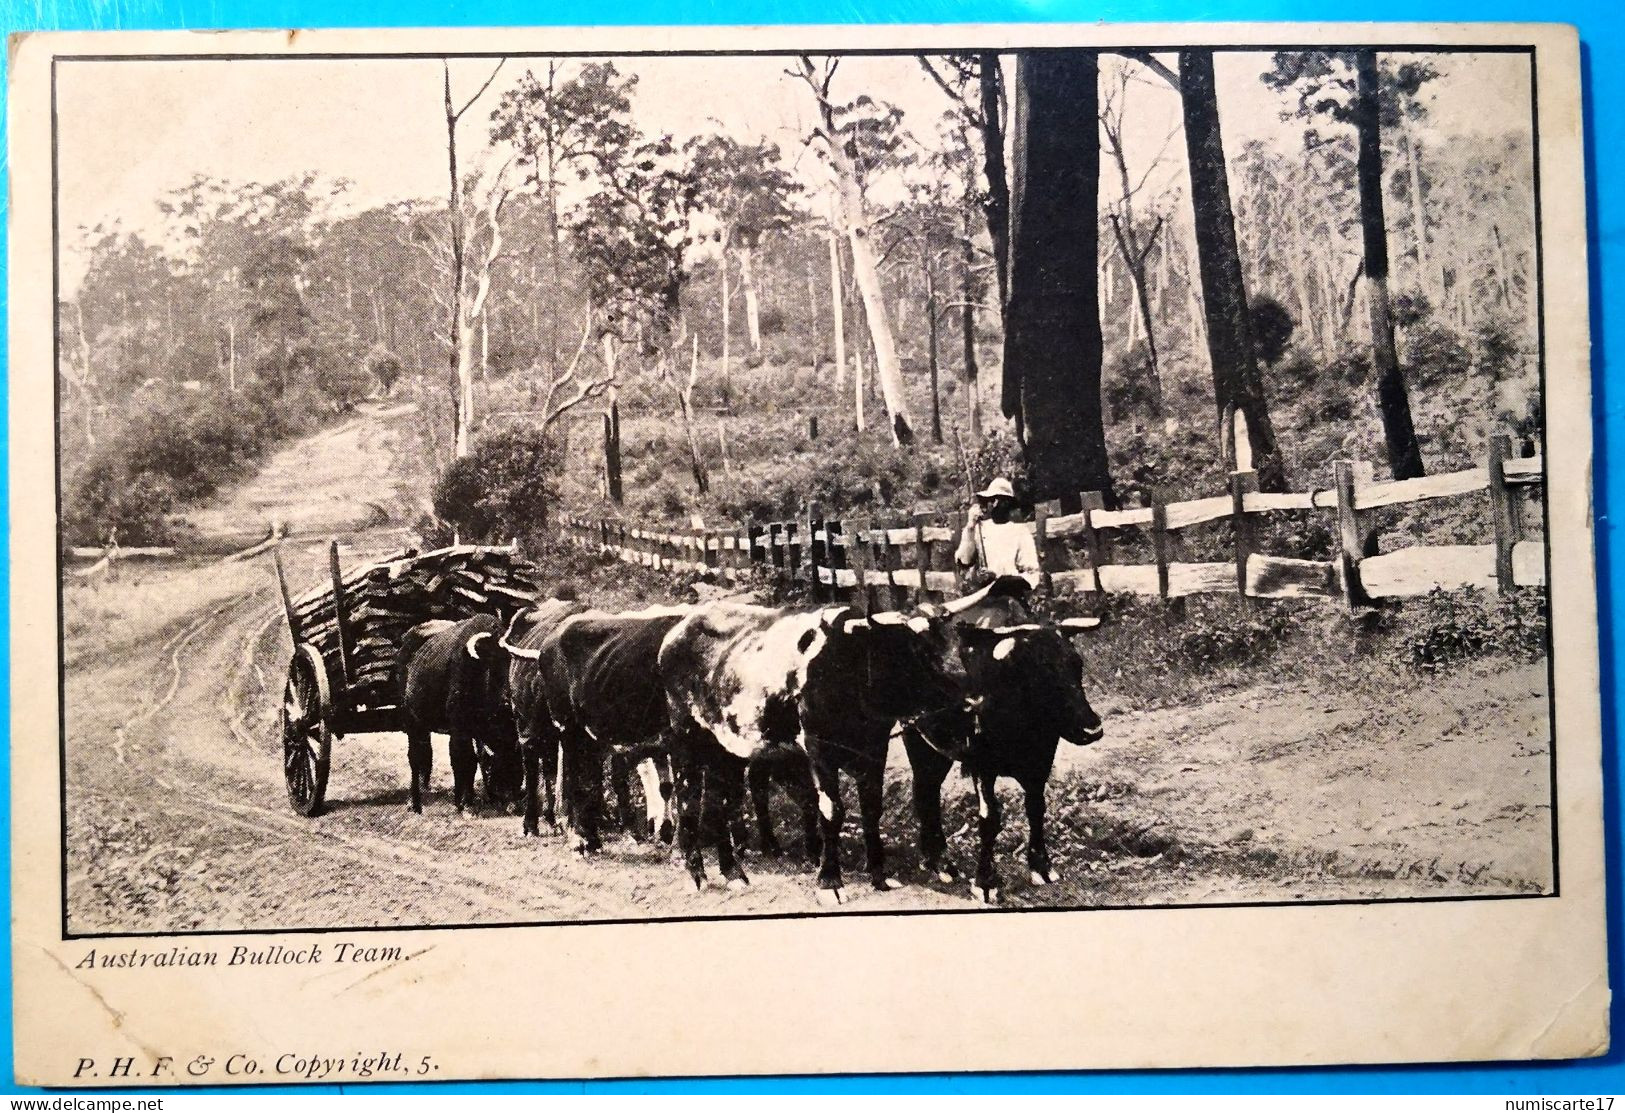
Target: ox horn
(506, 641)
(965, 603)
(1022, 628)
(473, 645)
(1078, 625)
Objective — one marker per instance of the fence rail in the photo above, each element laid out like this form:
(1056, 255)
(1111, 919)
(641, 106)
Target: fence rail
(892, 562)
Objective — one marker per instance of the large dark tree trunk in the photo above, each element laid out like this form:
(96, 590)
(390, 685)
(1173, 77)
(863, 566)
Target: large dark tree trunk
(1404, 455)
(997, 205)
(967, 320)
(1052, 343)
(1237, 384)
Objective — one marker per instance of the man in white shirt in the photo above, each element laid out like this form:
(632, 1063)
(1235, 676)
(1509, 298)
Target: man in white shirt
(994, 545)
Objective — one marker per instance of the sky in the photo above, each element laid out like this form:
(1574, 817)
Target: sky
(130, 131)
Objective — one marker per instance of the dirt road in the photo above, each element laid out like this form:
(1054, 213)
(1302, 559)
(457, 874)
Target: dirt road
(177, 818)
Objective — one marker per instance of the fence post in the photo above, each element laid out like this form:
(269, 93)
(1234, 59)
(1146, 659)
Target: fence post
(956, 526)
(1348, 534)
(1096, 546)
(922, 552)
(818, 551)
(1040, 534)
(1242, 484)
(857, 555)
(1506, 511)
(1159, 544)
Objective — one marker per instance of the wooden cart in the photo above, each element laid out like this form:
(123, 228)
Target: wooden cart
(340, 676)
(311, 716)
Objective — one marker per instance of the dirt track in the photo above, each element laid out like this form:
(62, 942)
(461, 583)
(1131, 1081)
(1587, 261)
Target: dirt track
(177, 818)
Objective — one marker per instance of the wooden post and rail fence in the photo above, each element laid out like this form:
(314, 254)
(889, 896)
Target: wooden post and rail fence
(890, 562)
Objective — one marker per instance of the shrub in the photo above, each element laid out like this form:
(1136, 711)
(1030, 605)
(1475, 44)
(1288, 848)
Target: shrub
(1272, 328)
(505, 488)
(384, 366)
(1127, 389)
(1446, 627)
(1435, 354)
(172, 448)
(343, 382)
(770, 320)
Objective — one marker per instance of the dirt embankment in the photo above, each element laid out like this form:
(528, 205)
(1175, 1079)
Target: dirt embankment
(1384, 786)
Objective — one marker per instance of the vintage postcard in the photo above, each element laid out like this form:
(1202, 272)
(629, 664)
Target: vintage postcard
(627, 552)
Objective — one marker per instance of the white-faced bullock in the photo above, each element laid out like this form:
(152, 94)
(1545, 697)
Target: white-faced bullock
(453, 680)
(751, 683)
(589, 686)
(1029, 678)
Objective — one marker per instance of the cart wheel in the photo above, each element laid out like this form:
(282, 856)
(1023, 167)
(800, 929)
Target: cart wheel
(307, 739)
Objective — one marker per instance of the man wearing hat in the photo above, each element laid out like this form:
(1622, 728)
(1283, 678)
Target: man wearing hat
(991, 543)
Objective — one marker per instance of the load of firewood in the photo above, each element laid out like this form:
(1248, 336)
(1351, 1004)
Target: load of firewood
(382, 601)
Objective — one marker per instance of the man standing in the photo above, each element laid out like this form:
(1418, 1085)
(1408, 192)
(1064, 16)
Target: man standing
(994, 545)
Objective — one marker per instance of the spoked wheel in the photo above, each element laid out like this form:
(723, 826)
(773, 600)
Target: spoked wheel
(307, 738)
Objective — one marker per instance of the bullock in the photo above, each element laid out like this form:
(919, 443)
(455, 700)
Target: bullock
(453, 680)
(1029, 680)
(755, 684)
(595, 680)
(527, 696)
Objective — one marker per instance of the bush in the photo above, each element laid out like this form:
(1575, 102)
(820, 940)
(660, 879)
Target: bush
(1446, 627)
(1272, 328)
(1435, 355)
(343, 382)
(173, 448)
(384, 366)
(1127, 389)
(504, 489)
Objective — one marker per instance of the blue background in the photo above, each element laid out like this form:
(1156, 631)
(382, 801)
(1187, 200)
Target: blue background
(1602, 35)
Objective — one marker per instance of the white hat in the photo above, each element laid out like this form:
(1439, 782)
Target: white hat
(999, 488)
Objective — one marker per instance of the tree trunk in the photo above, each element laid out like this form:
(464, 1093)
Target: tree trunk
(1419, 221)
(1052, 340)
(859, 382)
(997, 205)
(866, 272)
(612, 451)
(1134, 255)
(967, 323)
(463, 363)
(747, 281)
(696, 467)
(727, 324)
(1404, 454)
(931, 355)
(454, 213)
(837, 300)
(1237, 383)
(685, 405)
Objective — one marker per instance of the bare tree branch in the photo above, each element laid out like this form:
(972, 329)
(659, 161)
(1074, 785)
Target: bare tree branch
(585, 390)
(1151, 62)
(458, 115)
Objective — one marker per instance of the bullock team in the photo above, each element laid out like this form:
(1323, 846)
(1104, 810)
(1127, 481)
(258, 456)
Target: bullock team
(704, 700)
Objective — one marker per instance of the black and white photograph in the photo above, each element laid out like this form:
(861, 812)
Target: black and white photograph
(633, 552)
(554, 488)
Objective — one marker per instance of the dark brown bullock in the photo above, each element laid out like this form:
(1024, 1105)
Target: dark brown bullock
(1029, 679)
(751, 683)
(527, 696)
(453, 680)
(595, 675)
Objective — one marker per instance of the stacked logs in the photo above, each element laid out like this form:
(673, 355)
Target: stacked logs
(384, 600)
